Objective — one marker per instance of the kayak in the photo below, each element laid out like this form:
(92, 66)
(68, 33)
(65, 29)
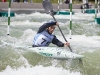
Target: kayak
(52, 52)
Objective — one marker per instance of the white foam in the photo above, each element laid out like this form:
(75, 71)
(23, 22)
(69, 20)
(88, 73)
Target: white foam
(38, 70)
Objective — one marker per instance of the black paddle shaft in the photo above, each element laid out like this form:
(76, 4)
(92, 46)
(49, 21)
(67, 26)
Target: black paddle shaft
(49, 10)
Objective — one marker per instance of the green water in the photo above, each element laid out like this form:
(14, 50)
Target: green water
(85, 40)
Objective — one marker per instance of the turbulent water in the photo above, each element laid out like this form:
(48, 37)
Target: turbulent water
(85, 40)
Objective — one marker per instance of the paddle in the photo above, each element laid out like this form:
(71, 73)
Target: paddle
(49, 10)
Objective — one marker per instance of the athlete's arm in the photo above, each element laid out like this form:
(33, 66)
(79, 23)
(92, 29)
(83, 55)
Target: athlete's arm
(57, 42)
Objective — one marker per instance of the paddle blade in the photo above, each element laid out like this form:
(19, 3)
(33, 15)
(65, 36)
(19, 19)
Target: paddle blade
(48, 7)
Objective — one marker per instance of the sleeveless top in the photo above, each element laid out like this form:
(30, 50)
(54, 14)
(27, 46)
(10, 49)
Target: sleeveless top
(43, 39)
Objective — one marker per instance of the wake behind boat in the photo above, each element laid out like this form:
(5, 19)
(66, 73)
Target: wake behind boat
(52, 52)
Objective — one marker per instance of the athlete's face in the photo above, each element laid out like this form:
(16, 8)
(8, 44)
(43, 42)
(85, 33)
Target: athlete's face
(51, 29)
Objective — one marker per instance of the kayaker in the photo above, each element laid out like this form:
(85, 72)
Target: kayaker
(44, 36)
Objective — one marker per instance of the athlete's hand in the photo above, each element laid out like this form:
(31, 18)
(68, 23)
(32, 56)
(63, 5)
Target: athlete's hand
(57, 24)
(66, 44)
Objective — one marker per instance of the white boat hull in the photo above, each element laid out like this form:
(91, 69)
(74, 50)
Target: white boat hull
(53, 52)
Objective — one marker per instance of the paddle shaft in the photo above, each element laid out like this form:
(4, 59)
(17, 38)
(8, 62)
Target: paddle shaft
(62, 33)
